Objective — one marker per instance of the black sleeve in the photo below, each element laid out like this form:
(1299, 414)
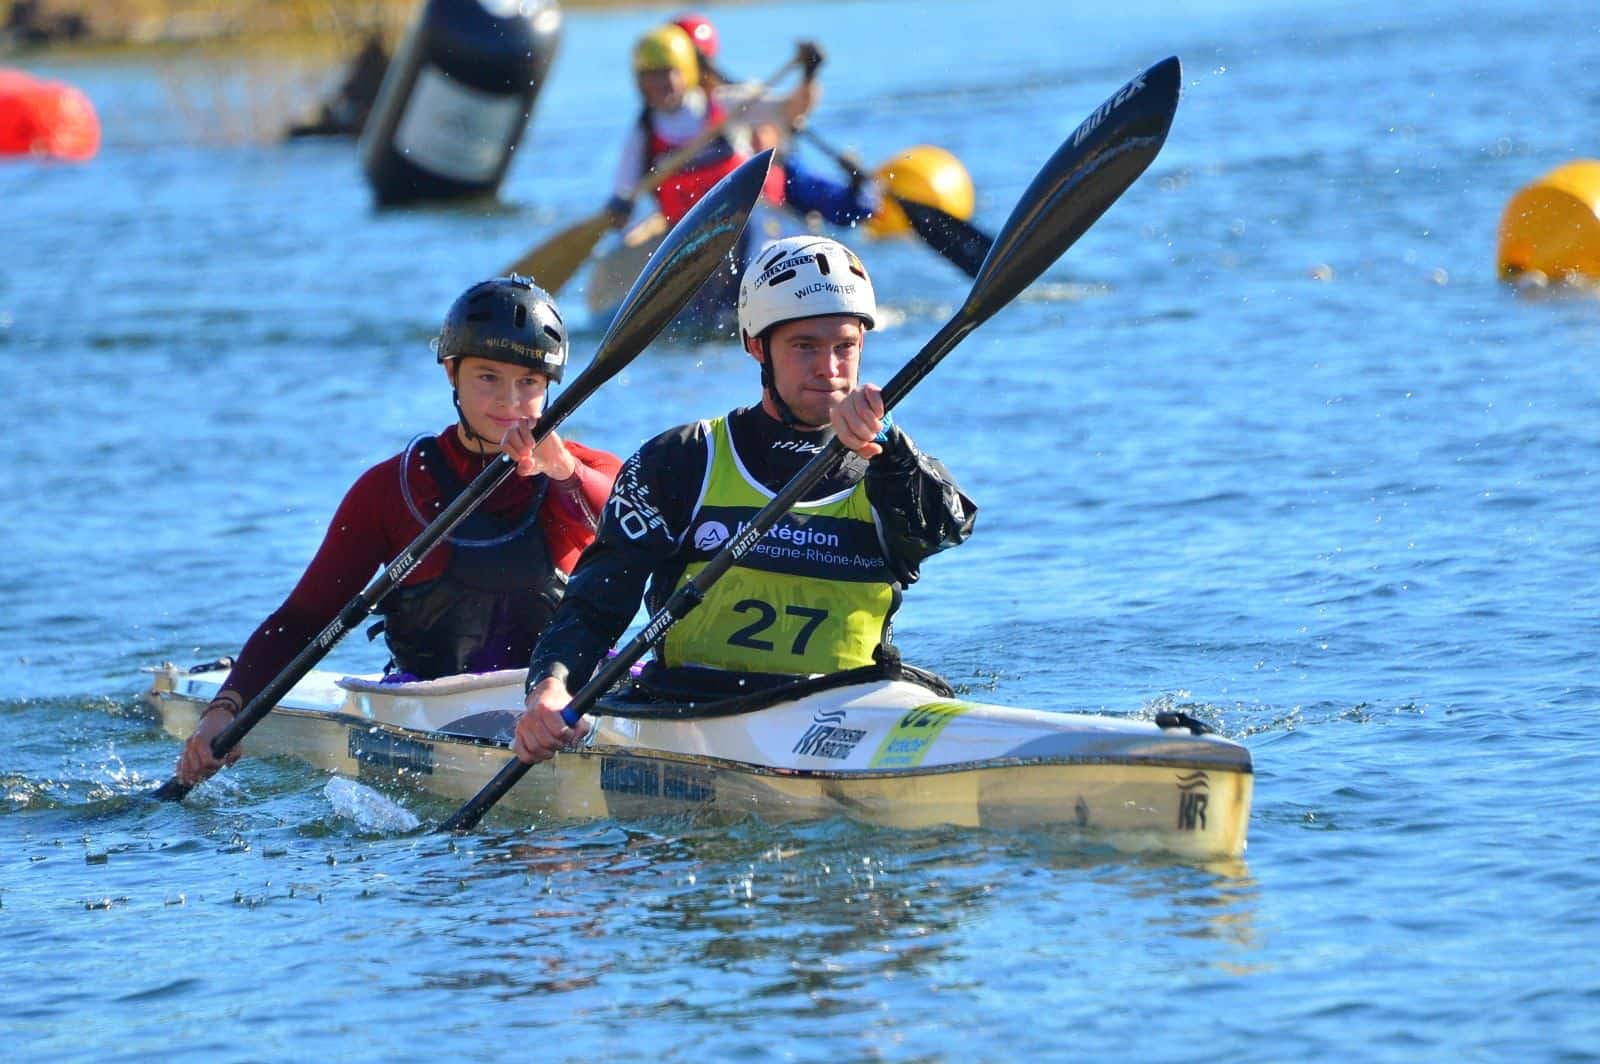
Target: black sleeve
(921, 509)
(650, 506)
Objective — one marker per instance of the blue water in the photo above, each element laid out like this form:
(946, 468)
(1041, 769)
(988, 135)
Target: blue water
(1271, 443)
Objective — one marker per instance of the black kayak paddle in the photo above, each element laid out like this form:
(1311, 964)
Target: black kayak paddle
(962, 243)
(694, 250)
(1096, 165)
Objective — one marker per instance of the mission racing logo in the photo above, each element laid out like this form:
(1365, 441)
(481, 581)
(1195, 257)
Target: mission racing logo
(828, 737)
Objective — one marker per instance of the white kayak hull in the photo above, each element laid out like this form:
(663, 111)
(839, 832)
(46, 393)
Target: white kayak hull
(888, 752)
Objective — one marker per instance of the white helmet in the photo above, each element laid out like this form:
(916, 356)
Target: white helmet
(803, 277)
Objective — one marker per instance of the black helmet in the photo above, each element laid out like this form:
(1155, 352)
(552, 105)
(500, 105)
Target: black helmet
(508, 319)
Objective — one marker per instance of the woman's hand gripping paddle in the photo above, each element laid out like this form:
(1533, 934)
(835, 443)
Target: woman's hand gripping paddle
(695, 248)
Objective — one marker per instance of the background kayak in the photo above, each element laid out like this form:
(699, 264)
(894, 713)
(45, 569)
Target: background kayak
(1271, 444)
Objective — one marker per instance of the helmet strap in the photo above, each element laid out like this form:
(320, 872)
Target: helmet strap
(461, 415)
(770, 383)
(466, 426)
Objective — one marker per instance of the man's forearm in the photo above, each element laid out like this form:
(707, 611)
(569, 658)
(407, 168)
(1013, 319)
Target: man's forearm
(921, 507)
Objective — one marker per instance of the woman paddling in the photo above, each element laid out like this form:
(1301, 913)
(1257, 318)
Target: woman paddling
(479, 600)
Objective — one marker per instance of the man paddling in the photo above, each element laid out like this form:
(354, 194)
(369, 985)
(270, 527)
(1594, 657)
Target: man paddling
(818, 593)
(478, 602)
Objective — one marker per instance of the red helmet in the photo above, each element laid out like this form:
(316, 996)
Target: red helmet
(701, 32)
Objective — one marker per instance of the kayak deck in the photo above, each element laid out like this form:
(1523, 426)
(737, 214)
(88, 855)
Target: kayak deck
(888, 752)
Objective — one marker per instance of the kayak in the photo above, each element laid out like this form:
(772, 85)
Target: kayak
(894, 749)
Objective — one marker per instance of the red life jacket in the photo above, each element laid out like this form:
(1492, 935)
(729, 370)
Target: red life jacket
(714, 162)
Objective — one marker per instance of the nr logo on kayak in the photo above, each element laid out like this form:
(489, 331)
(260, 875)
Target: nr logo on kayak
(828, 737)
(1194, 794)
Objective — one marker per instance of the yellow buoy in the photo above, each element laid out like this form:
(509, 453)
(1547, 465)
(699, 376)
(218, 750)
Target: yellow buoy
(923, 174)
(1552, 226)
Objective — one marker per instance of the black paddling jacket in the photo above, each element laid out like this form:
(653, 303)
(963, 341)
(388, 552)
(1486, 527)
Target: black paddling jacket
(918, 509)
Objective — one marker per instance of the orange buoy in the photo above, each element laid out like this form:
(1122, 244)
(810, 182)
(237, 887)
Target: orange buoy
(1552, 226)
(45, 118)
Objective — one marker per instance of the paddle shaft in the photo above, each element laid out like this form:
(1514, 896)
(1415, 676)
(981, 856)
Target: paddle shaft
(688, 596)
(1084, 177)
(845, 162)
(960, 242)
(691, 253)
(558, 258)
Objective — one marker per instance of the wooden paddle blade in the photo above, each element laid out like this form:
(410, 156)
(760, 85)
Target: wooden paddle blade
(963, 244)
(1095, 165)
(554, 262)
(613, 273)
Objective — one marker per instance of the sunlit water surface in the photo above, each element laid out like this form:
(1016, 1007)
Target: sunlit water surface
(1270, 443)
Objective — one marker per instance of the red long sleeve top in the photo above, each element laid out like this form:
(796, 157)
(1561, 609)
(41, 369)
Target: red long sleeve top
(375, 522)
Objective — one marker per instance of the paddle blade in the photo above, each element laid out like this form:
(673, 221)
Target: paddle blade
(553, 262)
(963, 244)
(690, 253)
(174, 790)
(1104, 156)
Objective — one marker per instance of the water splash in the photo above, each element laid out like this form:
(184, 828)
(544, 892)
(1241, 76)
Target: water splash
(369, 809)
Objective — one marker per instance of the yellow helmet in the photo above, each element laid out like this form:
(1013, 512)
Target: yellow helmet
(923, 174)
(668, 48)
